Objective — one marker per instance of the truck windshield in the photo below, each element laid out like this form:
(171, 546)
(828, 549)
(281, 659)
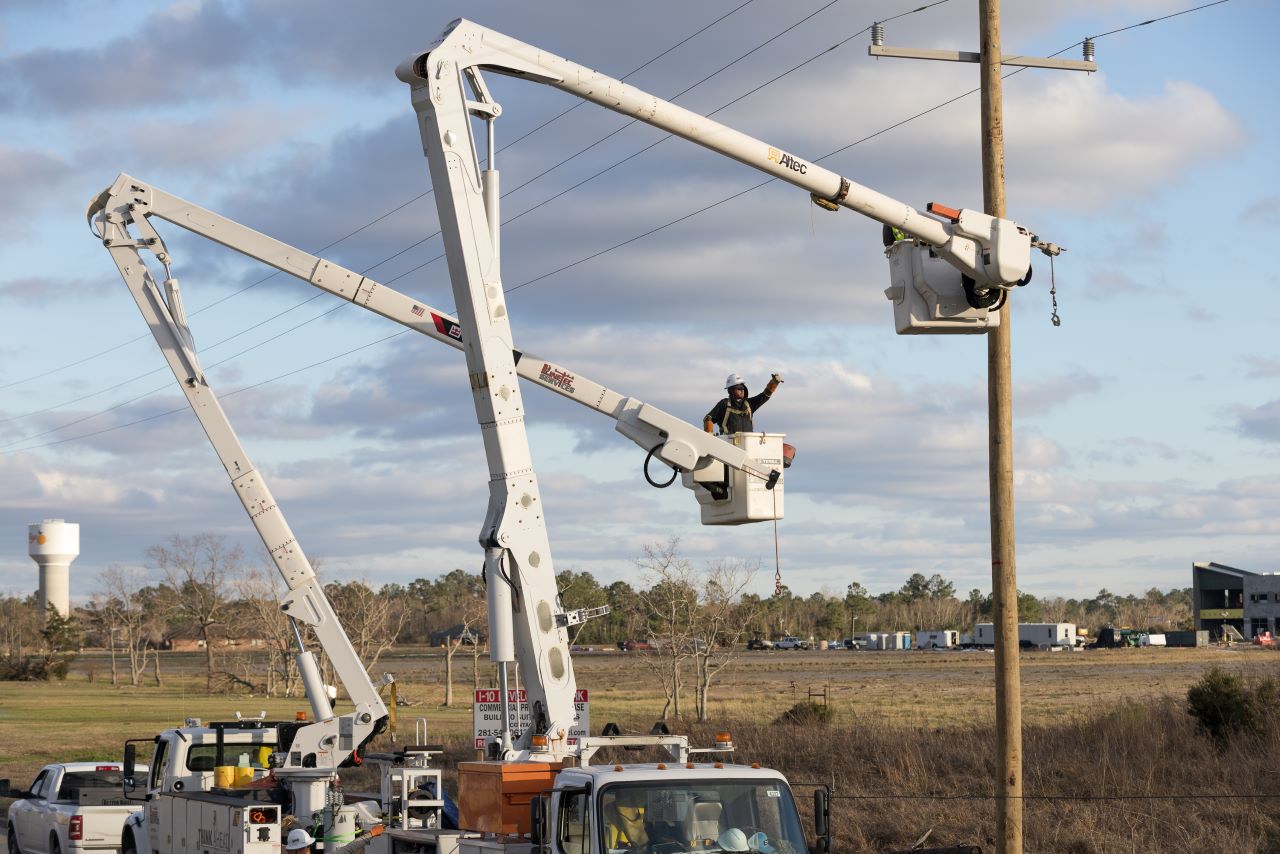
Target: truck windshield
(702, 816)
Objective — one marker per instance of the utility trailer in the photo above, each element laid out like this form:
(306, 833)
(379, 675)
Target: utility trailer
(1033, 636)
(941, 639)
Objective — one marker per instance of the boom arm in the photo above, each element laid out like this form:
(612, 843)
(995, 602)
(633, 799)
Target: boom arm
(994, 252)
(320, 747)
(677, 442)
(125, 210)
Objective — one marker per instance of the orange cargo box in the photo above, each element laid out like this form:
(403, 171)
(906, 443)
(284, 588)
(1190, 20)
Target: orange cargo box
(494, 797)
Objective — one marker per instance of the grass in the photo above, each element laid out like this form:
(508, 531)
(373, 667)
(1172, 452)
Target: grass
(910, 747)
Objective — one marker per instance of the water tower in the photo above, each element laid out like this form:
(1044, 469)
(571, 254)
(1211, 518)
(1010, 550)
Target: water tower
(53, 544)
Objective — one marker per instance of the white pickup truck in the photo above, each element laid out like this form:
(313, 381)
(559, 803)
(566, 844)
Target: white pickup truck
(71, 808)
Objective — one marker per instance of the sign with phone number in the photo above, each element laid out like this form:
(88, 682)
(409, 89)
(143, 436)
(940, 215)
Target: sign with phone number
(486, 715)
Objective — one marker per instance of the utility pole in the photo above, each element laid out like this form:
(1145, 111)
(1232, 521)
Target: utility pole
(1004, 575)
(1004, 568)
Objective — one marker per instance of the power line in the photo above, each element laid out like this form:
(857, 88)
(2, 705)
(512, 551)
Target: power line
(370, 223)
(168, 412)
(417, 243)
(1051, 798)
(670, 223)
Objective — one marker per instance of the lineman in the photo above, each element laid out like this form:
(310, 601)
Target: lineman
(734, 413)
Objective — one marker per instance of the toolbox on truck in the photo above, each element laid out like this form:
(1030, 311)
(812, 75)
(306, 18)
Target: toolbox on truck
(494, 797)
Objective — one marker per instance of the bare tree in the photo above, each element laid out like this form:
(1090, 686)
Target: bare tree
(472, 612)
(260, 591)
(197, 570)
(127, 609)
(719, 624)
(372, 620)
(670, 603)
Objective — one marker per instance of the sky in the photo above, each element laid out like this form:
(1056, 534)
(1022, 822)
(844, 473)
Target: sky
(1146, 426)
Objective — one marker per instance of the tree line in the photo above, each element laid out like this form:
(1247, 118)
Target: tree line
(201, 593)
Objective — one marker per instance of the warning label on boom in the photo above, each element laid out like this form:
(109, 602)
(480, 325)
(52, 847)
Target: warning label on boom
(486, 715)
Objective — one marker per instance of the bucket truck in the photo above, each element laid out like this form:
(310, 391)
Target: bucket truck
(573, 803)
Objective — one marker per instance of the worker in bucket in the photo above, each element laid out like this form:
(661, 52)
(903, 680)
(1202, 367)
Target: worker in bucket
(300, 842)
(734, 413)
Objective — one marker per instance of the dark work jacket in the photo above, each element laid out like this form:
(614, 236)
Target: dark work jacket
(733, 417)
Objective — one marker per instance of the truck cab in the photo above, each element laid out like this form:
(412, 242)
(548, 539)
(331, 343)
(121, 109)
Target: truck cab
(206, 791)
(672, 808)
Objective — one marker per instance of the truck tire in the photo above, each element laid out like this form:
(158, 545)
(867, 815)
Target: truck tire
(13, 842)
(55, 847)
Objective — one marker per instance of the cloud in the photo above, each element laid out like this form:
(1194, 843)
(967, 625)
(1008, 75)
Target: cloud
(178, 55)
(1260, 422)
(1258, 211)
(1261, 367)
(1073, 142)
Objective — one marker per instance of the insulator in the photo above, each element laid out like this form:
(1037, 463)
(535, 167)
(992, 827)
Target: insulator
(877, 34)
(1088, 50)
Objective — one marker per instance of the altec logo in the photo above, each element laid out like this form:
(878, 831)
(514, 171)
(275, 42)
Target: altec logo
(783, 159)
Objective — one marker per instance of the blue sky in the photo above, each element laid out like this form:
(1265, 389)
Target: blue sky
(1146, 425)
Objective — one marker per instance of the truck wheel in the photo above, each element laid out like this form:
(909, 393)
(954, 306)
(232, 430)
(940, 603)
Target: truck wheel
(54, 846)
(127, 845)
(13, 843)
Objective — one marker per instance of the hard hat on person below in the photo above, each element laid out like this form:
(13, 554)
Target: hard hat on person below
(299, 839)
(733, 380)
(733, 840)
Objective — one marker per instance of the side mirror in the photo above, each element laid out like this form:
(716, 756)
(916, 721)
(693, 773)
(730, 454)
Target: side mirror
(130, 762)
(822, 819)
(538, 820)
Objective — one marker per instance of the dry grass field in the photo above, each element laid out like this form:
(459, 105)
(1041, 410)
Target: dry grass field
(909, 748)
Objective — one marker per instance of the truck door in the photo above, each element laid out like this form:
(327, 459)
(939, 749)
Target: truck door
(573, 830)
(26, 823)
(159, 806)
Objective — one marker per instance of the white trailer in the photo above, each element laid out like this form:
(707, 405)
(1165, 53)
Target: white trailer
(1031, 635)
(940, 639)
(889, 640)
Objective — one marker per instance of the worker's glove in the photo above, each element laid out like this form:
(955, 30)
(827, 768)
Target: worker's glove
(777, 379)
(708, 426)
(377, 830)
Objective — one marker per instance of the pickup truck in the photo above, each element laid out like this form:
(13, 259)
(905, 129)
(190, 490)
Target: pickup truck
(71, 808)
(791, 642)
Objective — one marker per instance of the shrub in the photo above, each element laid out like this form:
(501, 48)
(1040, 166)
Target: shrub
(807, 713)
(1223, 704)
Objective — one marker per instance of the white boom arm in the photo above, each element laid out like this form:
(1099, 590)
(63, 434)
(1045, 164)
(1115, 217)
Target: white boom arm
(448, 91)
(994, 252)
(674, 441)
(320, 747)
(125, 210)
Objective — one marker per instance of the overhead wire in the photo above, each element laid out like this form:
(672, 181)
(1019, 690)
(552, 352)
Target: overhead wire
(379, 218)
(419, 242)
(670, 223)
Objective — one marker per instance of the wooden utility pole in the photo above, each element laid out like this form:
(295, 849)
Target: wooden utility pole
(1004, 583)
(1004, 570)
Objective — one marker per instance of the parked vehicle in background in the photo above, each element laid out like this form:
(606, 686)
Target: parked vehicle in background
(851, 643)
(637, 645)
(759, 642)
(792, 642)
(71, 808)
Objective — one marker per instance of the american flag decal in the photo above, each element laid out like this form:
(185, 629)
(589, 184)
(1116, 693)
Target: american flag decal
(418, 310)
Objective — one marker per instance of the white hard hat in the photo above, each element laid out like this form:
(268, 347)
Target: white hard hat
(733, 380)
(299, 839)
(733, 840)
